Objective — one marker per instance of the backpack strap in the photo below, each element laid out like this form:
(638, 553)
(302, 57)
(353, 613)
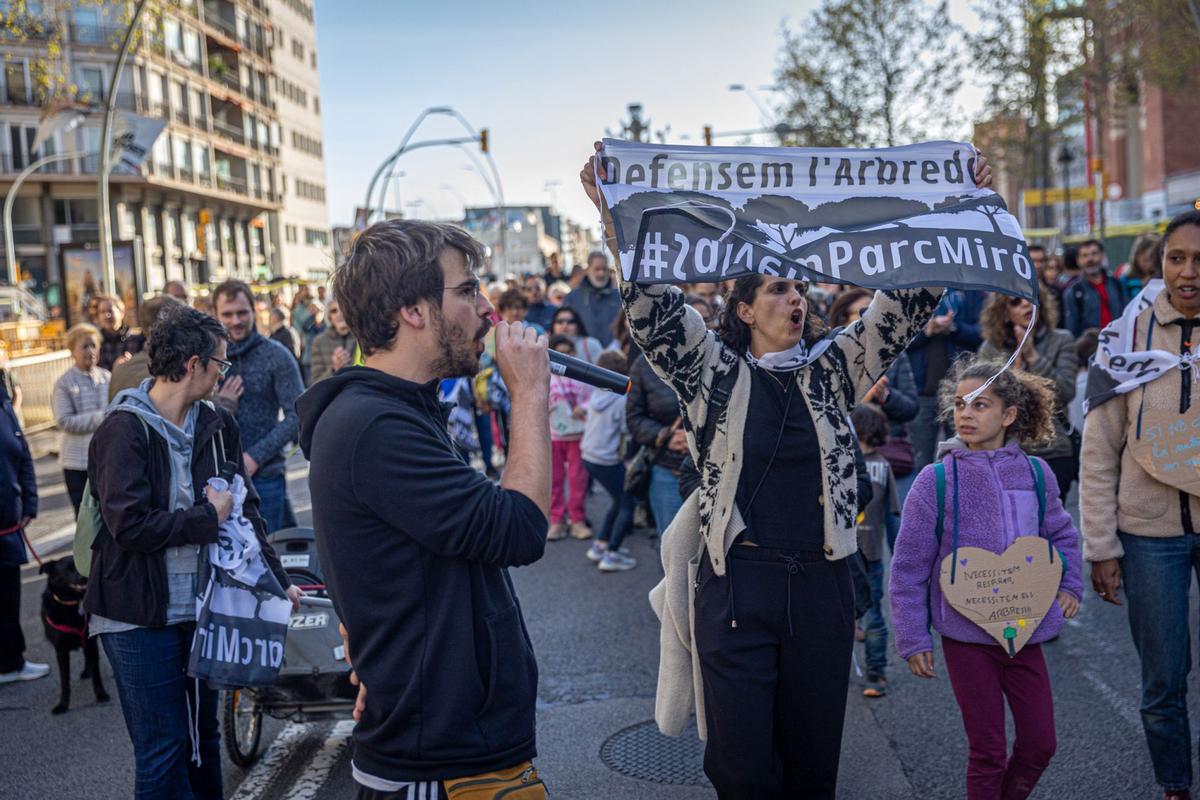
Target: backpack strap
(718, 401)
(939, 473)
(1039, 482)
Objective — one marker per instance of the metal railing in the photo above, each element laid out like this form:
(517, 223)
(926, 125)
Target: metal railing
(96, 35)
(228, 184)
(229, 77)
(26, 234)
(229, 131)
(220, 23)
(37, 376)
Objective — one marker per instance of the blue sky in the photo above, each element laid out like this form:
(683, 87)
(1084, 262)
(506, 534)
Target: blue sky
(546, 79)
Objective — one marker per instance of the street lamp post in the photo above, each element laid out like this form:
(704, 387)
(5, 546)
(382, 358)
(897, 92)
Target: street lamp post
(106, 249)
(1065, 157)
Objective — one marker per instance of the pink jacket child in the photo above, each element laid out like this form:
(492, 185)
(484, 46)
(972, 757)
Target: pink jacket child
(998, 502)
(568, 417)
(566, 396)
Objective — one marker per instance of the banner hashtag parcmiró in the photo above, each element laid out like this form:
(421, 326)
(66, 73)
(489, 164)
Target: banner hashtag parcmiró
(884, 218)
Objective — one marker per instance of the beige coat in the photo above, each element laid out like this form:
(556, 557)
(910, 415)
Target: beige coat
(1115, 492)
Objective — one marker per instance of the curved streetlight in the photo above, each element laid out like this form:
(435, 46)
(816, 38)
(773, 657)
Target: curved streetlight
(390, 161)
(387, 162)
(10, 248)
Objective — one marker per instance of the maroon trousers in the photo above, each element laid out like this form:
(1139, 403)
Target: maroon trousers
(983, 677)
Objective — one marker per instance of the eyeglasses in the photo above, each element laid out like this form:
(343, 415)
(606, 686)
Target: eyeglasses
(1016, 301)
(224, 366)
(468, 290)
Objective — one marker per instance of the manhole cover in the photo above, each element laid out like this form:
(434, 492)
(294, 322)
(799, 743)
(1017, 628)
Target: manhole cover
(641, 752)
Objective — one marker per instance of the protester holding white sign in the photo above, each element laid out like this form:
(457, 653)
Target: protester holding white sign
(768, 658)
(1140, 484)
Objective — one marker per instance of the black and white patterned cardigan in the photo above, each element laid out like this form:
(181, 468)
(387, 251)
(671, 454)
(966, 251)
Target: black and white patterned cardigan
(692, 359)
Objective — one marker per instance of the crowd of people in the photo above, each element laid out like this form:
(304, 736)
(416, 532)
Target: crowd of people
(745, 414)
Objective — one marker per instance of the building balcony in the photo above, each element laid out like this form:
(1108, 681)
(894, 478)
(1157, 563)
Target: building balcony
(29, 27)
(225, 26)
(227, 183)
(97, 35)
(228, 131)
(26, 234)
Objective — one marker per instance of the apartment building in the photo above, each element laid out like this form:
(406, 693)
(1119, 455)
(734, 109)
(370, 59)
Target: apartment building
(301, 228)
(204, 206)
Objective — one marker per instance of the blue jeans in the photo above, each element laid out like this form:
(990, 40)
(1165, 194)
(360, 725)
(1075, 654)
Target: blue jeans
(619, 519)
(1157, 575)
(873, 623)
(664, 497)
(272, 495)
(150, 668)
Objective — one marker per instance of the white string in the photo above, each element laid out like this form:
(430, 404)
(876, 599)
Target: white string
(970, 397)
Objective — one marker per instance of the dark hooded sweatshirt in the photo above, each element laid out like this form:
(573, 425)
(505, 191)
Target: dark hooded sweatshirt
(415, 545)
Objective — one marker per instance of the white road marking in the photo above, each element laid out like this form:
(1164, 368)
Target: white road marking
(313, 778)
(262, 774)
(1126, 709)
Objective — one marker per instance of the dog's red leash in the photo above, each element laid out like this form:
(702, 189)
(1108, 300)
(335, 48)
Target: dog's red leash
(25, 536)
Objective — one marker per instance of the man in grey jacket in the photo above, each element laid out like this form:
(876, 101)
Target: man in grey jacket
(266, 405)
(596, 299)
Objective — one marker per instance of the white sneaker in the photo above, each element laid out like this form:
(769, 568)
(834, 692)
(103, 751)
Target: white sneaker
(596, 551)
(616, 562)
(28, 672)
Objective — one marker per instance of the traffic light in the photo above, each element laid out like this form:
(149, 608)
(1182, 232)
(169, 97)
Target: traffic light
(483, 140)
(708, 135)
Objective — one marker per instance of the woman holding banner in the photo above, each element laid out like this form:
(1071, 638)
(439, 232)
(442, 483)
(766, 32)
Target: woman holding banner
(1139, 488)
(772, 596)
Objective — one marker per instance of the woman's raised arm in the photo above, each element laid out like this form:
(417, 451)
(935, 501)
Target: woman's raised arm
(671, 333)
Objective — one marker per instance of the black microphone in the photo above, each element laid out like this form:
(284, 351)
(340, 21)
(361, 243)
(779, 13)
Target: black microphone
(580, 370)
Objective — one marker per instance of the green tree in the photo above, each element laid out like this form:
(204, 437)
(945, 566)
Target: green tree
(866, 73)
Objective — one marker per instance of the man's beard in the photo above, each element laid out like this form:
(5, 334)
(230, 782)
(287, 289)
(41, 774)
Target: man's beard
(456, 356)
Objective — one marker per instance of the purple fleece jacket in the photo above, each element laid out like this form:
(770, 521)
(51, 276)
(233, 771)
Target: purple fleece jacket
(998, 503)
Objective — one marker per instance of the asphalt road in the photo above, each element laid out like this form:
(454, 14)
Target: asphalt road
(597, 644)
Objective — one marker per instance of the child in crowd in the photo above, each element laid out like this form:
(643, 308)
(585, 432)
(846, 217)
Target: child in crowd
(871, 426)
(568, 413)
(601, 447)
(995, 485)
(1085, 347)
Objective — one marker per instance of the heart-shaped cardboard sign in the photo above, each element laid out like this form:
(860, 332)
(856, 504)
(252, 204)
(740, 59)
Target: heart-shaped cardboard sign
(1169, 448)
(1008, 594)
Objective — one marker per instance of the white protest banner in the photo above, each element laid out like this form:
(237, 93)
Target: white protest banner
(133, 138)
(881, 218)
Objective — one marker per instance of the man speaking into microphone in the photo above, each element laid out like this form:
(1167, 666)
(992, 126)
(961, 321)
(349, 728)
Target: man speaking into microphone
(413, 541)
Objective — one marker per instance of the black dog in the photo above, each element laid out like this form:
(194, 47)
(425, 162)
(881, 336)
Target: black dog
(66, 627)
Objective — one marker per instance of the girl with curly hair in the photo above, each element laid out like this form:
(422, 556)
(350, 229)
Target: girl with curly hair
(996, 485)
